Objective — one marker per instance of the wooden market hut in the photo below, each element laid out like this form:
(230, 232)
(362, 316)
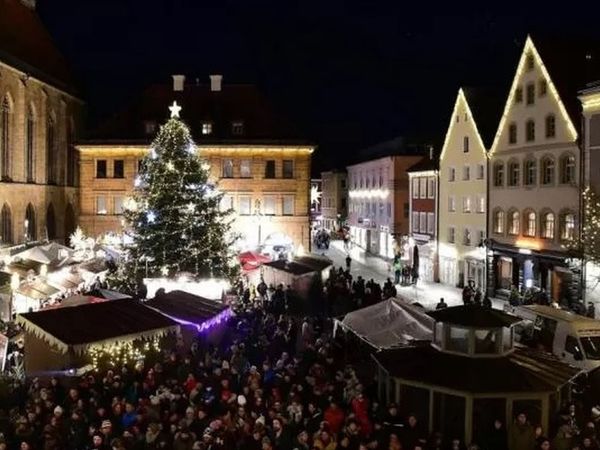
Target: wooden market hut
(472, 373)
(300, 273)
(59, 339)
(195, 314)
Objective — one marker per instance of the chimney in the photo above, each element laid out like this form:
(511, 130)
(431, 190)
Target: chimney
(178, 81)
(29, 3)
(215, 82)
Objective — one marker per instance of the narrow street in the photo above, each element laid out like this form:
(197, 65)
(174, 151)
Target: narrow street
(367, 266)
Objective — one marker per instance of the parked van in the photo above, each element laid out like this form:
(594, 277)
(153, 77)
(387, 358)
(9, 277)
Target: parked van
(572, 338)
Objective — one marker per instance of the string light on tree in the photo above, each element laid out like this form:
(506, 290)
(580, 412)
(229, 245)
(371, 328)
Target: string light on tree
(160, 227)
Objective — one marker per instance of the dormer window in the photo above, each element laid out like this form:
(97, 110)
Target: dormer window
(206, 128)
(150, 127)
(237, 127)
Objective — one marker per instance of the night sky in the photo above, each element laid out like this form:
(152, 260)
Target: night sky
(350, 74)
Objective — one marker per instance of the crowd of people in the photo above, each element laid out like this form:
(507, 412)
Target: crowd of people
(275, 381)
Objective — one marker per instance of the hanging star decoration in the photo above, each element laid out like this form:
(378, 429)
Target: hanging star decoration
(175, 108)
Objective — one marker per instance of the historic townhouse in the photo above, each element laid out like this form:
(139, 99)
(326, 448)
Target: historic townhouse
(256, 158)
(378, 198)
(39, 120)
(423, 225)
(463, 187)
(334, 208)
(535, 163)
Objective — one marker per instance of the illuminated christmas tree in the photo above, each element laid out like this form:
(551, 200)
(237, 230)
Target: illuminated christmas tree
(588, 243)
(174, 217)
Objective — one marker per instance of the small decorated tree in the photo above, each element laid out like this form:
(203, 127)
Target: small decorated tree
(174, 218)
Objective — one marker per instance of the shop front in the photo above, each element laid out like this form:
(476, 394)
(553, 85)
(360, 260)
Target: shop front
(531, 271)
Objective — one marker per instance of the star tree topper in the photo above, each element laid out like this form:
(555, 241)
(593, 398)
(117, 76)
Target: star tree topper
(175, 108)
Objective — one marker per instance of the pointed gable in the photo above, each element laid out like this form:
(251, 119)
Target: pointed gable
(533, 98)
(464, 122)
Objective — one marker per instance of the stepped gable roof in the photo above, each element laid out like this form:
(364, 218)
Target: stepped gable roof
(233, 103)
(26, 45)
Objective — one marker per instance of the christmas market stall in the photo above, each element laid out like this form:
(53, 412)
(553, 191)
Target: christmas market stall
(388, 324)
(302, 274)
(472, 373)
(195, 314)
(61, 341)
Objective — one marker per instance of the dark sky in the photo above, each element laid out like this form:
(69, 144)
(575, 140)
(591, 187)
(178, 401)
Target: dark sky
(349, 73)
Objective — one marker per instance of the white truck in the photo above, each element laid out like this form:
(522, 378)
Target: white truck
(572, 338)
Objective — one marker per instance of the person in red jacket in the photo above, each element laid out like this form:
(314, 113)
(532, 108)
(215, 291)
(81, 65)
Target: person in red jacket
(334, 416)
(360, 407)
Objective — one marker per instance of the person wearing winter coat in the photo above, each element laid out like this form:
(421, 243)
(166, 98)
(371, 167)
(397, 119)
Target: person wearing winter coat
(563, 439)
(521, 435)
(496, 438)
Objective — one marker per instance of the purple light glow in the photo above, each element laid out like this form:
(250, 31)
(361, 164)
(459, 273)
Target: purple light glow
(207, 324)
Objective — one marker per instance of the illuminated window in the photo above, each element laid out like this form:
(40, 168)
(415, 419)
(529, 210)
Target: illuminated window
(529, 172)
(288, 205)
(430, 223)
(207, 128)
(288, 168)
(519, 95)
(480, 171)
(499, 174)
(542, 87)
(530, 224)
(567, 169)
(466, 204)
(431, 187)
(423, 222)
(451, 235)
(513, 173)
(530, 94)
(547, 170)
(530, 131)
(423, 187)
(150, 126)
(498, 222)
(415, 221)
(550, 126)
(245, 205)
(101, 205)
(245, 168)
(228, 168)
(480, 204)
(512, 133)
(269, 205)
(567, 226)
(513, 223)
(451, 204)
(548, 225)
(466, 144)
(466, 236)
(529, 62)
(227, 202)
(237, 127)
(118, 201)
(415, 188)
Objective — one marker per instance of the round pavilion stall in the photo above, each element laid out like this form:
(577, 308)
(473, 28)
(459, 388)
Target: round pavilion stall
(472, 373)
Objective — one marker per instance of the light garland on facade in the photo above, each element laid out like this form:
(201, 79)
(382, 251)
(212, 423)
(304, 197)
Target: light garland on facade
(122, 353)
(370, 193)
